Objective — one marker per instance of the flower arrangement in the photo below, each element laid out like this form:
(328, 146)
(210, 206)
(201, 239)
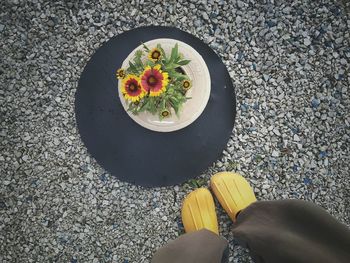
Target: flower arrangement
(155, 81)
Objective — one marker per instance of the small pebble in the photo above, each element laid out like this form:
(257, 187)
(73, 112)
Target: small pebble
(307, 42)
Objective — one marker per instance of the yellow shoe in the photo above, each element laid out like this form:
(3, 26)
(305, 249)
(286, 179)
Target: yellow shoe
(198, 211)
(233, 192)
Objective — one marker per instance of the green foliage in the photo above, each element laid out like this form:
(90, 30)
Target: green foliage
(232, 166)
(175, 59)
(132, 68)
(183, 62)
(137, 60)
(197, 183)
(145, 47)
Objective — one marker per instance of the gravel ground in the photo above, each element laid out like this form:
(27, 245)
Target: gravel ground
(289, 61)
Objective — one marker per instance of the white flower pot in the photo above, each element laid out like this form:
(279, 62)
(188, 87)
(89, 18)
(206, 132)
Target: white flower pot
(197, 71)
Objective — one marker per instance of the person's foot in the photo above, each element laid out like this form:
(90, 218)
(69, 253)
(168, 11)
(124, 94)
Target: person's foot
(233, 192)
(198, 211)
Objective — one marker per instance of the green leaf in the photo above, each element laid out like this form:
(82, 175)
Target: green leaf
(178, 76)
(144, 105)
(133, 108)
(163, 52)
(193, 183)
(196, 183)
(152, 108)
(174, 53)
(132, 68)
(150, 63)
(183, 62)
(175, 104)
(139, 53)
(165, 63)
(162, 104)
(176, 50)
(145, 47)
(137, 60)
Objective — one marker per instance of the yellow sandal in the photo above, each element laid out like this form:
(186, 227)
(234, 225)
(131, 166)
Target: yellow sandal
(198, 211)
(233, 192)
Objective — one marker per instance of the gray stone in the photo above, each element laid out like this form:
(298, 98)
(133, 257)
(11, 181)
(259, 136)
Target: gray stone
(275, 153)
(307, 42)
(205, 16)
(258, 81)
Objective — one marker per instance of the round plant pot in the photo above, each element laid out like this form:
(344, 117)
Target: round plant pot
(199, 93)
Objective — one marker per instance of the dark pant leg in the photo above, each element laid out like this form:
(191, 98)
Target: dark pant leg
(292, 231)
(197, 247)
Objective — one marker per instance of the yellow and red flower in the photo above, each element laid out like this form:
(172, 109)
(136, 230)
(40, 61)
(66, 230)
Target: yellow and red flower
(154, 81)
(154, 54)
(131, 88)
(120, 73)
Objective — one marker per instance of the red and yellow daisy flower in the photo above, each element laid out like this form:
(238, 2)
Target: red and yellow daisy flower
(154, 81)
(154, 54)
(131, 88)
(120, 73)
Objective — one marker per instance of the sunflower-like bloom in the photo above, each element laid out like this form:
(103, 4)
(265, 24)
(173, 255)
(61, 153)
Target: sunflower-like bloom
(131, 88)
(154, 55)
(120, 73)
(165, 113)
(154, 81)
(186, 84)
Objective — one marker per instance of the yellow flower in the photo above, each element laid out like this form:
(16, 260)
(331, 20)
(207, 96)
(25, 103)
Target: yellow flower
(154, 81)
(154, 55)
(186, 84)
(120, 73)
(131, 88)
(165, 113)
